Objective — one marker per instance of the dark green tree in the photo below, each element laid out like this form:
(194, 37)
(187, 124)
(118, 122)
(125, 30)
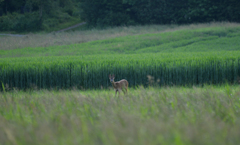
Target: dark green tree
(32, 15)
(125, 12)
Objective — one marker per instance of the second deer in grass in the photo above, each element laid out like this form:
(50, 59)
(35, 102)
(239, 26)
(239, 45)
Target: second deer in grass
(121, 85)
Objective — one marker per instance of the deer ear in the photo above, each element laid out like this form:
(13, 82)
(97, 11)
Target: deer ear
(109, 76)
(113, 75)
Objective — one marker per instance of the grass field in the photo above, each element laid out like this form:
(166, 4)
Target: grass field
(174, 116)
(184, 39)
(195, 60)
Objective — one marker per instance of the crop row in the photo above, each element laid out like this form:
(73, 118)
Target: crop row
(94, 74)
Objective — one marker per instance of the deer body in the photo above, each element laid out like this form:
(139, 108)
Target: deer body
(121, 85)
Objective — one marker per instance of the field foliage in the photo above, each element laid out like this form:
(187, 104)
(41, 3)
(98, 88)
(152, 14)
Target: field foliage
(167, 69)
(170, 116)
(82, 36)
(184, 40)
(183, 86)
(187, 56)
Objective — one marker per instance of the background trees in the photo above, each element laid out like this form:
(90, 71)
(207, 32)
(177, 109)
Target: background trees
(124, 12)
(32, 15)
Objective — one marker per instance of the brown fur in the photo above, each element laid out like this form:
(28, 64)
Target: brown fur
(121, 85)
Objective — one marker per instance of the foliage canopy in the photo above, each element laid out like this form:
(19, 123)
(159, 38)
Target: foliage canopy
(33, 15)
(127, 12)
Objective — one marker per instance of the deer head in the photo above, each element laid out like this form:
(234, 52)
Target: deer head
(111, 78)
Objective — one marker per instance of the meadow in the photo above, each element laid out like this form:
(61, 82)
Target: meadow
(132, 40)
(184, 86)
(174, 116)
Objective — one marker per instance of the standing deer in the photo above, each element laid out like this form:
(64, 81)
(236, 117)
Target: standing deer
(121, 85)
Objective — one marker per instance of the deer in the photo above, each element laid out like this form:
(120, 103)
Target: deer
(121, 85)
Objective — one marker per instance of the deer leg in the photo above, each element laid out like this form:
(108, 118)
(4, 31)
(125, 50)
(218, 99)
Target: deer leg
(123, 91)
(117, 91)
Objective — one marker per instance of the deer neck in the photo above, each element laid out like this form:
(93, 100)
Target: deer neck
(114, 84)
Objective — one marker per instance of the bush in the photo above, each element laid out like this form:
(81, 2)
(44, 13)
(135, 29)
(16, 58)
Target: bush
(20, 22)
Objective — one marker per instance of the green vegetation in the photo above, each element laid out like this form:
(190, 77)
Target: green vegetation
(50, 15)
(183, 86)
(76, 37)
(175, 116)
(185, 57)
(92, 72)
(104, 13)
(195, 40)
(37, 15)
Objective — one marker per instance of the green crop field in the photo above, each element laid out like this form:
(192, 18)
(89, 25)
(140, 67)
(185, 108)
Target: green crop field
(185, 56)
(184, 86)
(92, 72)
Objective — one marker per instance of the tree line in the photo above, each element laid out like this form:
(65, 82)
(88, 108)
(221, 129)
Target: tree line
(129, 12)
(34, 15)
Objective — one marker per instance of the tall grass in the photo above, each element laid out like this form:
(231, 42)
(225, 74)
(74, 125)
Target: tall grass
(170, 116)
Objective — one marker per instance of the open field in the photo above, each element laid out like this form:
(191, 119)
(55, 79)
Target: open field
(76, 37)
(47, 82)
(184, 55)
(169, 116)
(186, 39)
